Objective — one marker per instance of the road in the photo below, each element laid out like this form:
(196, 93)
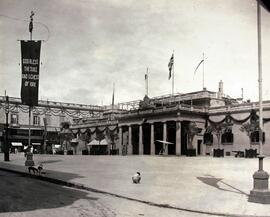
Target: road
(26, 197)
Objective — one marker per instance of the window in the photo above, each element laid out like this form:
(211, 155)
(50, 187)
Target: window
(208, 138)
(254, 137)
(36, 120)
(14, 119)
(227, 136)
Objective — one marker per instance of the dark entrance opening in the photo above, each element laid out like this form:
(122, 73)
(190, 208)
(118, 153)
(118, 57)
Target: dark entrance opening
(171, 135)
(135, 139)
(124, 140)
(158, 129)
(199, 144)
(184, 137)
(146, 138)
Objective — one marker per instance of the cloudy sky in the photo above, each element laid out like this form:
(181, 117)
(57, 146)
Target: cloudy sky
(89, 44)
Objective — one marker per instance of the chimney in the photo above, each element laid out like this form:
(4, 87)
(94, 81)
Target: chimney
(220, 89)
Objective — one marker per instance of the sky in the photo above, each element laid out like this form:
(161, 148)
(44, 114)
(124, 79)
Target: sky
(91, 44)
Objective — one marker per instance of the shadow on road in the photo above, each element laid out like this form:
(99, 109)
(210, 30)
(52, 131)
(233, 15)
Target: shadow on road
(213, 181)
(19, 194)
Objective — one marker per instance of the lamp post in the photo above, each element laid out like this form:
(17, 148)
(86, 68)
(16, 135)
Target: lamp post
(6, 149)
(260, 192)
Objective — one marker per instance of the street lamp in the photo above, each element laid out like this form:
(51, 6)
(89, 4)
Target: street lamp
(260, 192)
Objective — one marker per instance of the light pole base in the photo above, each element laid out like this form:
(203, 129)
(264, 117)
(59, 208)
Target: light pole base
(29, 160)
(260, 192)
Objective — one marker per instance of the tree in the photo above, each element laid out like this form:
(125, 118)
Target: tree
(192, 131)
(86, 138)
(66, 135)
(112, 135)
(249, 128)
(217, 130)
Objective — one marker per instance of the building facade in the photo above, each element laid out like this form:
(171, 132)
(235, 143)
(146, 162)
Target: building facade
(196, 123)
(44, 125)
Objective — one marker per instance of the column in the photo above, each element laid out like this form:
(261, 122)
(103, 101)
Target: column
(152, 142)
(165, 138)
(140, 140)
(129, 140)
(178, 138)
(120, 140)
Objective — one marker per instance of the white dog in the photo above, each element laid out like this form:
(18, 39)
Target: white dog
(136, 178)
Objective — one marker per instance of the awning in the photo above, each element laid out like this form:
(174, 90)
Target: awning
(74, 140)
(164, 142)
(96, 142)
(16, 144)
(103, 142)
(36, 143)
(57, 146)
(93, 142)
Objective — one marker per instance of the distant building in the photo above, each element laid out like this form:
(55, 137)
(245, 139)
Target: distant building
(182, 124)
(45, 123)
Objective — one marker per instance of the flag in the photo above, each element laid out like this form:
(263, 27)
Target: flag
(198, 66)
(113, 96)
(31, 22)
(31, 26)
(265, 4)
(145, 76)
(170, 65)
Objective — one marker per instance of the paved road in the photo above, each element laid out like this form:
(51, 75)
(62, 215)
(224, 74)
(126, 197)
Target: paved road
(26, 197)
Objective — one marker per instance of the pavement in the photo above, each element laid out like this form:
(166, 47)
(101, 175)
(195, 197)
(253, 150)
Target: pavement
(200, 185)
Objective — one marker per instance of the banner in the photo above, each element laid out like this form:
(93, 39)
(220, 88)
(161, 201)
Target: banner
(30, 53)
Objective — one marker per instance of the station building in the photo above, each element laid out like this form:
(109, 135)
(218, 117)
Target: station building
(196, 123)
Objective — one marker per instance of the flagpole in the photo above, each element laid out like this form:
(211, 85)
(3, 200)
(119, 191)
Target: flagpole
(173, 75)
(146, 82)
(260, 76)
(260, 192)
(113, 97)
(29, 155)
(29, 129)
(203, 72)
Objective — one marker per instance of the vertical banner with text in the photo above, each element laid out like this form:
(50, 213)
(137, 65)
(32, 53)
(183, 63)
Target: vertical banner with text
(30, 52)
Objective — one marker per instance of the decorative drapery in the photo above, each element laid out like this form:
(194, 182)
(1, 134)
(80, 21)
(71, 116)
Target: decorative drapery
(230, 119)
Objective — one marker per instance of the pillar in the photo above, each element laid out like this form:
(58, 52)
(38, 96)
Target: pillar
(152, 142)
(140, 140)
(165, 138)
(120, 140)
(178, 138)
(129, 151)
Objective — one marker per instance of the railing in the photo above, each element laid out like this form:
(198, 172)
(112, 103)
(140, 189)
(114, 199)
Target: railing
(238, 107)
(163, 109)
(94, 124)
(53, 104)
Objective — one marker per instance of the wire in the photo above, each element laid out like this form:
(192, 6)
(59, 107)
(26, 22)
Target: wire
(22, 20)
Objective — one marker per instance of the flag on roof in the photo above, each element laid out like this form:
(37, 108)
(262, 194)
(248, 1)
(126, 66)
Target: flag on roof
(198, 66)
(170, 65)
